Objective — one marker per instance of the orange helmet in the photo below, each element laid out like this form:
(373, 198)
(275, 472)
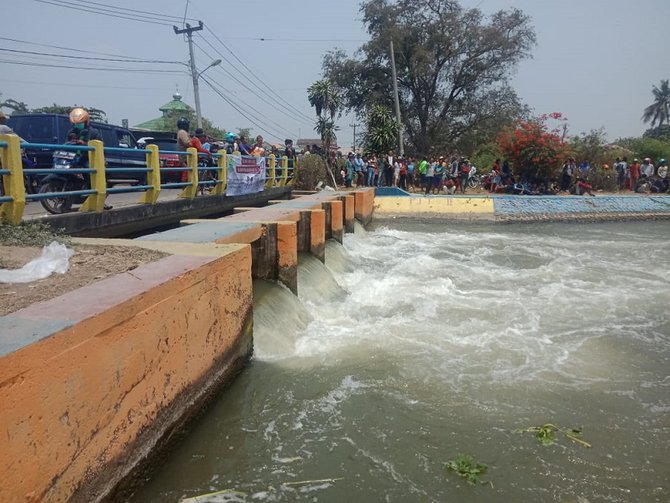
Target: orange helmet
(79, 116)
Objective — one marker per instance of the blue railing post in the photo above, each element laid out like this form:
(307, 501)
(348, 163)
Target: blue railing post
(10, 158)
(96, 160)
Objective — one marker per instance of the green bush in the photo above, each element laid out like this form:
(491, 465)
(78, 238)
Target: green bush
(310, 170)
(604, 179)
(646, 147)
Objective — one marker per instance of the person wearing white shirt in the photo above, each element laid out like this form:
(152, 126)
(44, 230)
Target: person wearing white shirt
(647, 167)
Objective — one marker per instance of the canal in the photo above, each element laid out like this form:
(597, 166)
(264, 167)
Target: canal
(419, 341)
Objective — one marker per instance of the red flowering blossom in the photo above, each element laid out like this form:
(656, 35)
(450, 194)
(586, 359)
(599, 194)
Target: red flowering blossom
(533, 149)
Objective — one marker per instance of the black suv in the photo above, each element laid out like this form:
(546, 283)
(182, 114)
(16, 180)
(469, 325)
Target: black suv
(53, 128)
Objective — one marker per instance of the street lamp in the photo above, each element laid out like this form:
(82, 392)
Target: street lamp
(196, 90)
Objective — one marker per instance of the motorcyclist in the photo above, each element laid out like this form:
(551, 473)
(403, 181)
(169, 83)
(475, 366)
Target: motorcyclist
(231, 143)
(81, 127)
(183, 138)
(183, 142)
(82, 132)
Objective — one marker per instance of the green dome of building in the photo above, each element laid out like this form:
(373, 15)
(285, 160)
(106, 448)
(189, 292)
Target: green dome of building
(170, 109)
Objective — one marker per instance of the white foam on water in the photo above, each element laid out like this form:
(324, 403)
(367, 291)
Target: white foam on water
(410, 345)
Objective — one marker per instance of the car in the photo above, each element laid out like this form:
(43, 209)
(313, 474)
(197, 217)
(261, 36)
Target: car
(167, 159)
(53, 129)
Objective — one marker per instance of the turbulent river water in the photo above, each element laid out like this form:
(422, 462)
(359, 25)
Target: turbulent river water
(416, 342)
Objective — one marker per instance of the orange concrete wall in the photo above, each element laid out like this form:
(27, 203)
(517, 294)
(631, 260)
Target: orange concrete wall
(287, 254)
(83, 406)
(364, 205)
(318, 234)
(336, 220)
(349, 212)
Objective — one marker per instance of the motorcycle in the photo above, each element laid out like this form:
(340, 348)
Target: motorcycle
(31, 182)
(473, 178)
(64, 182)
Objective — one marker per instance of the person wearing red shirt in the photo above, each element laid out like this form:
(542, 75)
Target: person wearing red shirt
(634, 174)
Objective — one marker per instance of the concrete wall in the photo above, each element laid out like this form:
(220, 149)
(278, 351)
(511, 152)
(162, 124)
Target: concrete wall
(139, 350)
(93, 381)
(523, 208)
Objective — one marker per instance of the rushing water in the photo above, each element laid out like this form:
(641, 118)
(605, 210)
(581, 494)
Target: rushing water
(418, 342)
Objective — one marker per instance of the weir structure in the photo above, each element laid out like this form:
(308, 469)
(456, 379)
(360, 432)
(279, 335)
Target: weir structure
(395, 203)
(96, 380)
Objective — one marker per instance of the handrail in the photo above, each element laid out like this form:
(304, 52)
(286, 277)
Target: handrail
(14, 197)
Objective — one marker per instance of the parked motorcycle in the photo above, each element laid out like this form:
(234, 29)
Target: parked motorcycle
(32, 182)
(473, 178)
(64, 182)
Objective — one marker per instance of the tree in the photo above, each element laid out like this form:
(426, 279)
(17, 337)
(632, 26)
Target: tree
(590, 147)
(326, 100)
(659, 110)
(95, 113)
(535, 151)
(16, 106)
(453, 67)
(382, 130)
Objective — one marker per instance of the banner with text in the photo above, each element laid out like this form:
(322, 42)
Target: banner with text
(246, 175)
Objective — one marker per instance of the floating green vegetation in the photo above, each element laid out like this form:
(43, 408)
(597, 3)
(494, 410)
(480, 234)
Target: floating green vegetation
(546, 434)
(465, 466)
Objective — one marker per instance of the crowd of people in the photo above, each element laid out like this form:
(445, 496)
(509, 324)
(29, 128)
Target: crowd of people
(232, 143)
(642, 177)
(413, 174)
(439, 175)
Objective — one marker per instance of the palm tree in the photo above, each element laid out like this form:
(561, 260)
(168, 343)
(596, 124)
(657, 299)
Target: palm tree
(327, 101)
(659, 110)
(382, 129)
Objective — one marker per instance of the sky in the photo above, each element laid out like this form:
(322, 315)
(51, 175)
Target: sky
(595, 60)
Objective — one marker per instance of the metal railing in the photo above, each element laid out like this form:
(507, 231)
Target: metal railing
(201, 179)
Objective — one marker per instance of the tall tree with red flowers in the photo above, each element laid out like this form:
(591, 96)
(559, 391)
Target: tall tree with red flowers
(535, 151)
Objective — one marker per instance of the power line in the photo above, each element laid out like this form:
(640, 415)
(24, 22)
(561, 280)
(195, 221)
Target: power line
(137, 11)
(261, 114)
(65, 48)
(86, 85)
(79, 7)
(232, 104)
(247, 106)
(256, 76)
(291, 112)
(157, 61)
(114, 69)
(296, 40)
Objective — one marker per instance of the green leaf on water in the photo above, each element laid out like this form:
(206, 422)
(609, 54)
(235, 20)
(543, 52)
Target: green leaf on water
(546, 434)
(465, 466)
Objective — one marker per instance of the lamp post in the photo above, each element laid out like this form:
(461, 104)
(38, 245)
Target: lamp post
(196, 90)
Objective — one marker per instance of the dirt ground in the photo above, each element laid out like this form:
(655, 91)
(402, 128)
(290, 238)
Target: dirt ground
(87, 265)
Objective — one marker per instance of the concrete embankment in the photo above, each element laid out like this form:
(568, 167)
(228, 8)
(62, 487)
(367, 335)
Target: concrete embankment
(394, 203)
(94, 381)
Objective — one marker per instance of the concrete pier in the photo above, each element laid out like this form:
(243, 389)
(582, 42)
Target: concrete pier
(95, 381)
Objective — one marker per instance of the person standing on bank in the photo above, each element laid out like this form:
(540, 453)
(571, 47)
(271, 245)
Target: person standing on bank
(430, 173)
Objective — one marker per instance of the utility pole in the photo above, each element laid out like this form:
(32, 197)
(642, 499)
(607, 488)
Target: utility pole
(397, 102)
(354, 126)
(196, 91)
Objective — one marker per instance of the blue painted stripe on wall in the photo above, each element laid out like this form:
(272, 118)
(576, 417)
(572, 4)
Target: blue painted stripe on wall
(533, 205)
